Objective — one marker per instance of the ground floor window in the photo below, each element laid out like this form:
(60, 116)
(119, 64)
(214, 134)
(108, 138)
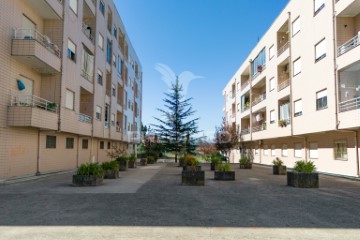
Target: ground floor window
(266, 150)
(313, 151)
(298, 150)
(101, 144)
(69, 143)
(273, 151)
(85, 144)
(284, 151)
(340, 150)
(50, 141)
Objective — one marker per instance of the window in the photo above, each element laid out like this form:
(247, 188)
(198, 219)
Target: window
(99, 77)
(273, 151)
(284, 151)
(114, 60)
(69, 99)
(108, 51)
(271, 52)
(108, 145)
(272, 84)
(98, 113)
(272, 116)
(238, 107)
(69, 143)
(107, 109)
(266, 150)
(73, 5)
(119, 63)
(318, 5)
(340, 150)
(50, 141)
(313, 151)
(113, 90)
(296, 26)
(112, 119)
(85, 144)
(259, 62)
(297, 66)
(71, 53)
(298, 108)
(257, 151)
(320, 50)
(321, 100)
(101, 41)
(284, 110)
(298, 150)
(102, 144)
(238, 86)
(102, 7)
(115, 31)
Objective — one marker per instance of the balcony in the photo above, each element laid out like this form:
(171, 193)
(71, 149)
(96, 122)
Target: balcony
(36, 50)
(245, 84)
(352, 43)
(349, 105)
(259, 128)
(87, 31)
(283, 85)
(283, 48)
(85, 118)
(32, 111)
(245, 131)
(47, 9)
(258, 99)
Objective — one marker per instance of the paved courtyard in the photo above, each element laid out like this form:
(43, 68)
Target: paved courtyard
(150, 203)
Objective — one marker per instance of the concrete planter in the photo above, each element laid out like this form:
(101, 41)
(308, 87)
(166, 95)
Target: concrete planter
(303, 180)
(123, 165)
(212, 166)
(111, 174)
(224, 175)
(87, 180)
(190, 168)
(143, 162)
(132, 164)
(193, 178)
(279, 170)
(246, 166)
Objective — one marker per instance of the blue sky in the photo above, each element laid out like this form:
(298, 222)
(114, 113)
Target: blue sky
(210, 38)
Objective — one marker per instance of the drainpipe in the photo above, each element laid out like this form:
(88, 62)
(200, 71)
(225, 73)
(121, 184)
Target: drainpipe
(335, 69)
(38, 155)
(290, 79)
(78, 150)
(250, 96)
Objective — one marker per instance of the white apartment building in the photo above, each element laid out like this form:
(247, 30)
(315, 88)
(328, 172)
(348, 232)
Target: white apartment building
(71, 85)
(297, 94)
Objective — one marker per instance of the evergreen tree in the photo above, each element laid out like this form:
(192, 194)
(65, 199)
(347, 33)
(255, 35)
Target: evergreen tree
(174, 128)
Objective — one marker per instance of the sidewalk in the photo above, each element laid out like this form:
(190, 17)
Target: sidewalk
(150, 202)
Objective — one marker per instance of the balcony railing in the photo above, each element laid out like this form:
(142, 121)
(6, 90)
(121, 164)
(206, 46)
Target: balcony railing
(283, 85)
(244, 85)
(31, 34)
(245, 131)
(283, 48)
(349, 105)
(259, 99)
(259, 128)
(118, 129)
(352, 43)
(86, 75)
(259, 72)
(87, 31)
(33, 101)
(85, 118)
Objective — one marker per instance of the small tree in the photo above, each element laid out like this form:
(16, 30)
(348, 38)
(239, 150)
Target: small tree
(174, 129)
(226, 137)
(206, 149)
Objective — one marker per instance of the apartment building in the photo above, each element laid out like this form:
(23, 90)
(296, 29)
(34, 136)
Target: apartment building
(71, 85)
(297, 94)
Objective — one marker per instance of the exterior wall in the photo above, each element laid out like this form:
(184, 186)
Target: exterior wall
(23, 133)
(323, 126)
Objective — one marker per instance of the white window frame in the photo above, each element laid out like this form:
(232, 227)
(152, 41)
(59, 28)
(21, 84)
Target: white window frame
(113, 90)
(298, 108)
(284, 151)
(271, 84)
(273, 150)
(313, 150)
(319, 95)
(101, 41)
(98, 113)
(298, 150)
(266, 150)
(72, 50)
(271, 52)
(73, 4)
(296, 26)
(69, 99)
(114, 60)
(112, 119)
(297, 66)
(272, 116)
(320, 50)
(344, 155)
(318, 5)
(98, 79)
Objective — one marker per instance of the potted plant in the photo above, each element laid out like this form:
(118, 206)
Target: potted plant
(215, 159)
(150, 159)
(303, 175)
(191, 164)
(282, 123)
(132, 161)
(192, 174)
(111, 169)
(223, 172)
(278, 167)
(143, 161)
(90, 174)
(245, 163)
(123, 162)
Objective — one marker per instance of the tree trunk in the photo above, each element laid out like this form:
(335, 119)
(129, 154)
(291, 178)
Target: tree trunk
(175, 157)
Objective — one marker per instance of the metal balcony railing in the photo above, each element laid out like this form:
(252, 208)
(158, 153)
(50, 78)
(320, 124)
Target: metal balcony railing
(349, 105)
(245, 131)
(85, 118)
(244, 85)
(283, 85)
(87, 31)
(259, 128)
(259, 99)
(33, 101)
(283, 48)
(31, 34)
(352, 43)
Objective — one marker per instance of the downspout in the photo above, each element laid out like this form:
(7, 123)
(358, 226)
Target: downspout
(78, 150)
(290, 79)
(335, 68)
(357, 153)
(250, 102)
(38, 155)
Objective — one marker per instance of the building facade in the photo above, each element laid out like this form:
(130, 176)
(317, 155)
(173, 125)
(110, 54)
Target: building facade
(71, 85)
(297, 94)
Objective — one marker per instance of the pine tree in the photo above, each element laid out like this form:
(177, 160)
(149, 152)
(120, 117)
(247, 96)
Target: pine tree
(174, 128)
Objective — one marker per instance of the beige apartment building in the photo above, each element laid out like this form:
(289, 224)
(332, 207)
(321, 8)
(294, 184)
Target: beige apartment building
(71, 85)
(297, 94)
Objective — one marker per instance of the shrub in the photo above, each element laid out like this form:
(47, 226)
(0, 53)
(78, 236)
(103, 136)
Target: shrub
(245, 160)
(112, 165)
(225, 167)
(90, 169)
(132, 158)
(216, 159)
(278, 162)
(191, 161)
(151, 159)
(305, 167)
(122, 159)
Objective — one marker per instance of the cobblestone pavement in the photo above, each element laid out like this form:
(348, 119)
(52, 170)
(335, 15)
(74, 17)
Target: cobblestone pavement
(150, 203)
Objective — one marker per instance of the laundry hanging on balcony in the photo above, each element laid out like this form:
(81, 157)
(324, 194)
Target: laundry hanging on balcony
(21, 85)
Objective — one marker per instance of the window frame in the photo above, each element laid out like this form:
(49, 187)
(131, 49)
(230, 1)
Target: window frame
(274, 120)
(273, 150)
(101, 41)
(284, 150)
(50, 142)
(271, 50)
(68, 91)
(71, 54)
(85, 144)
(98, 114)
(316, 11)
(101, 145)
(102, 9)
(100, 82)
(335, 151)
(76, 7)
(266, 150)
(312, 149)
(296, 150)
(318, 107)
(298, 60)
(272, 80)
(318, 58)
(69, 144)
(300, 113)
(293, 24)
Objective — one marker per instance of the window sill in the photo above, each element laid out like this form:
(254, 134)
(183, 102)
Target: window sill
(319, 9)
(320, 58)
